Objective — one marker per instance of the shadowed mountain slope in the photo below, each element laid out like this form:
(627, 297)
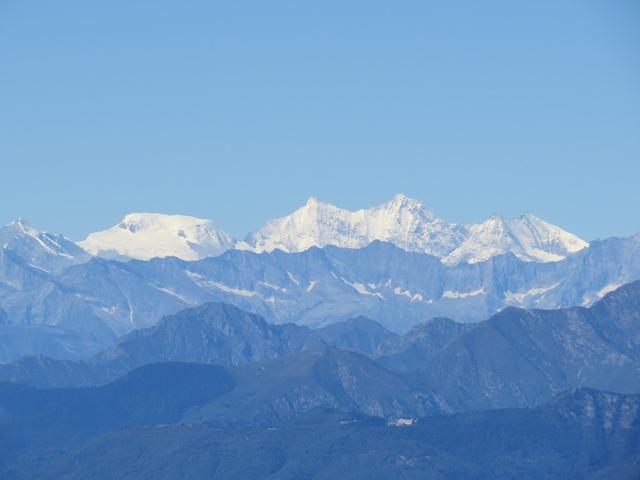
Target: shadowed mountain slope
(524, 357)
(583, 434)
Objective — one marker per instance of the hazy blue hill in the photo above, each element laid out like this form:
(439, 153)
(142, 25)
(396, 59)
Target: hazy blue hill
(270, 392)
(157, 393)
(35, 421)
(414, 349)
(357, 334)
(57, 323)
(46, 372)
(516, 358)
(524, 357)
(617, 319)
(585, 434)
(213, 333)
(17, 341)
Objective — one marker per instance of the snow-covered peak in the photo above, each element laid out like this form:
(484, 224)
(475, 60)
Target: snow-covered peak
(527, 237)
(402, 220)
(400, 200)
(312, 201)
(45, 251)
(406, 223)
(148, 235)
(21, 226)
(539, 237)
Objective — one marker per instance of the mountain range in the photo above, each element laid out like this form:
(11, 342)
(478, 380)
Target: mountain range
(407, 224)
(402, 221)
(500, 383)
(68, 305)
(220, 391)
(515, 358)
(397, 264)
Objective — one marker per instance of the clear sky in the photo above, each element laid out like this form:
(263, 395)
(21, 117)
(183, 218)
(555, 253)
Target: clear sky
(238, 111)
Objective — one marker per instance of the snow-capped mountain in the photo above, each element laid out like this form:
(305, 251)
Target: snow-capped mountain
(42, 250)
(527, 237)
(402, 221)
(407, 224)
(148, 235)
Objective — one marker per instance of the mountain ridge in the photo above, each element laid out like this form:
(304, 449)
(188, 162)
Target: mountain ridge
(406, 223)
(402, 221)
(108, 298)
(515, 358)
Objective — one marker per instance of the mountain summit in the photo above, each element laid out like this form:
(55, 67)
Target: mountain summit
(527, 237)
(406, 223)
(148, 235)
(41, 250)
(402, 221)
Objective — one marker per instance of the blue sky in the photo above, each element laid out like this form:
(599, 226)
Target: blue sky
(238, 111)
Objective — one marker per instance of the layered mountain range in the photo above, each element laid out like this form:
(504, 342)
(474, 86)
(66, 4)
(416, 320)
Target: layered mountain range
(57, 299)
(378, 343)
(517, 390)
(515, 358)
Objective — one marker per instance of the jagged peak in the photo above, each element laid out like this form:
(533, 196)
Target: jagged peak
(530, 216)
(399, 197)
(18, 223)
(312, 201)
(493, 222)
(401, 200)
(22, 226)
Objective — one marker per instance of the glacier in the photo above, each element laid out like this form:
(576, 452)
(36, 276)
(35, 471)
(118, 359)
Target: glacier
(149, 235)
